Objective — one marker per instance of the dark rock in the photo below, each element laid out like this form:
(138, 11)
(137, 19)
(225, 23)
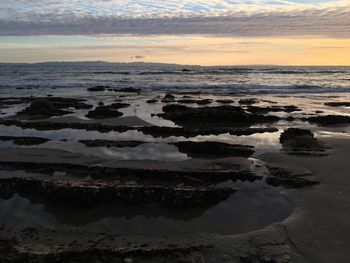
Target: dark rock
(103, 112)
(187, 101)
(27, 141)
(301, 142)
(155, 131)
(46, 126)
(282, 177)
(248, 101)
(327, 120)
(186, 70)
(107, 143)
(213, 149)
(138, 174)
(338, 104)
(225, 101)
(151, 101)
(263, 110)
(174, 108)
(204, 102)
(98, 88)
(168, 98)
(195, 92)
(56, 102)
(129, 90)
(222, 116)
(290, 118)
(100, 103)
(164, 132)
(289, 182)
(28, 244)
(191, 101)
(87, 194)
(43, 107)
(119, 105)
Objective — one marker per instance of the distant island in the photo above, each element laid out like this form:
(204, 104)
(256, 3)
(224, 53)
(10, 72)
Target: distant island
(148, 65)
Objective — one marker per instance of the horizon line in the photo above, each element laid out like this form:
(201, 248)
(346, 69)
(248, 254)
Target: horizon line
(174, 64)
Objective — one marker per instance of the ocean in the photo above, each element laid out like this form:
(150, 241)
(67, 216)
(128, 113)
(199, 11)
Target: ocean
(248, 80)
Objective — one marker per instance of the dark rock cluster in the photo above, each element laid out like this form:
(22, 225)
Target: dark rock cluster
(282, 177)
(155, 131)
(338, 104)
(43, 108)
(119, 105)
(248, 101)
(225, 101)
(53, 106)
(98, 88)
(301, 142)
(103, 112)
(168, 98)
(264, 110)
(328, 120)
(139, 174)
(86, 194)
(152, 101)
(221, 116)
(27, 141)
(107, 143)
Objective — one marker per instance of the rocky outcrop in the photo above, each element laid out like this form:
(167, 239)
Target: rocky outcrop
(187, 101)
(301, 142)
(53, 106)
(107, 143)
(338, 104)
(155, 131)
(50, 125)
(26, 141)
(128, 90)
(86, 194)
(138, 174)
(280, 176)
(151, 101)
(98, 88)
(43, 108)
(119, 105)
(168, 98)
(103, 112)
(164, 132)
(328, 120)
(224, 101)
(248, 101)
(204, 101)
(222, 116)
(264, 110)
(42, 245)
(213, 149)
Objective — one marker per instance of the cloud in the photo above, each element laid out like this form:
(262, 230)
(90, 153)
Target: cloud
(170, 17)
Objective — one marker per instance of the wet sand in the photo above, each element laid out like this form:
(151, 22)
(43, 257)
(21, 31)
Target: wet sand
(319, 225)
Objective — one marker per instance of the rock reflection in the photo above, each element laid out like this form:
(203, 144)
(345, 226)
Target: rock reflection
(258, 203)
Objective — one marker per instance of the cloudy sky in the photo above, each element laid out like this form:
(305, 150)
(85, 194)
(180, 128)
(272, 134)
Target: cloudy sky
(206, 32)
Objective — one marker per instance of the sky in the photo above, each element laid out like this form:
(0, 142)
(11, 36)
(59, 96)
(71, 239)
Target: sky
(204, 32)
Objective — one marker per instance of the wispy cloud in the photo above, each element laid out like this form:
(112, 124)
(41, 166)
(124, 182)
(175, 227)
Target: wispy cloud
(243, 18)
